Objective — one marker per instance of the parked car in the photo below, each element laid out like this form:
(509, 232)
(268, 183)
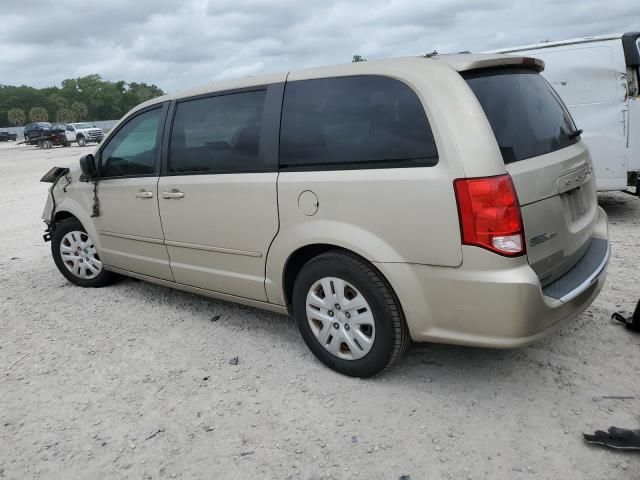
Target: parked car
(599, 80)
(83, 133)
(45, 134)
(33, 131)
(443, 199)
(6, 136)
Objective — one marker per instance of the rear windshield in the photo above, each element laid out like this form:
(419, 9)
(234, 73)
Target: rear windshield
(526, 114)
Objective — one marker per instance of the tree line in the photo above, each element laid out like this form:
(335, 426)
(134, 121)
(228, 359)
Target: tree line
(76, 100)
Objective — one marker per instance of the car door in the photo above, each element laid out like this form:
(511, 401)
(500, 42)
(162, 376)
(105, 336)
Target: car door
(129, 221)
(70, 133)
(217, 195)
(27, 132)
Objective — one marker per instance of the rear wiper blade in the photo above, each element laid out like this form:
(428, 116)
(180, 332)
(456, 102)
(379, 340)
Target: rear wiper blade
(575, 134)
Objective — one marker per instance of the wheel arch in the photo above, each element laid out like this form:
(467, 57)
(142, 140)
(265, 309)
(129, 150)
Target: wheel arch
(69, 207)
(63, 215)
(299, 258)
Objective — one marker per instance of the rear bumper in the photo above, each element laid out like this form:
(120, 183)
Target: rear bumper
(493, 301)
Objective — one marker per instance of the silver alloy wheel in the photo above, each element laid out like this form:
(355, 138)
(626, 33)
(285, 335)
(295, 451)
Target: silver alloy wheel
(79, 255)
(340, 318)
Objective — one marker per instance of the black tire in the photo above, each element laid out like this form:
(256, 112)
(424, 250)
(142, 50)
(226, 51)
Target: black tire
(391, 332)
(81, 141)
(62, 228)
(26, 139)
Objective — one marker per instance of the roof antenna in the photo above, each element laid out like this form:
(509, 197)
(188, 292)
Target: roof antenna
(432, 54)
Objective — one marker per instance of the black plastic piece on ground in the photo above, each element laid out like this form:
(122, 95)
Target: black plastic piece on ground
(632, 322)
(615, 437)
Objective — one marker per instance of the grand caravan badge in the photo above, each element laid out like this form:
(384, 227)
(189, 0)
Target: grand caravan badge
(543, 237)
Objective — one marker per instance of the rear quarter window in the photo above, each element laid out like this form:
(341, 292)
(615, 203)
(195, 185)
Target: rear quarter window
(526, 115)
(354, 122)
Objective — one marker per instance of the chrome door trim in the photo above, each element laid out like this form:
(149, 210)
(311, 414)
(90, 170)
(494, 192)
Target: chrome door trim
(209, 248)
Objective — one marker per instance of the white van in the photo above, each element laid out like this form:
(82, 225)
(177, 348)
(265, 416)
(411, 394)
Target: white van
(598, 79)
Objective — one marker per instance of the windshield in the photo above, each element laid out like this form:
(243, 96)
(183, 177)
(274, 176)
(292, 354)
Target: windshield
(82, 125)
(526, 114)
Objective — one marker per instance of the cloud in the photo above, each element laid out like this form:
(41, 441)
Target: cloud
(177, 45)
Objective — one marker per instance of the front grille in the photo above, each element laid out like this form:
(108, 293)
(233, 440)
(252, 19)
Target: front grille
(95, 135)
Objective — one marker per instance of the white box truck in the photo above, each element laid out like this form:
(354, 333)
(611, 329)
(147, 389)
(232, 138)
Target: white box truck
(599, 80)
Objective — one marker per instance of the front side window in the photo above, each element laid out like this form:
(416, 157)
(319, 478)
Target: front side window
(218, 134)
(354, 122)
(132, 150)
(527, 116)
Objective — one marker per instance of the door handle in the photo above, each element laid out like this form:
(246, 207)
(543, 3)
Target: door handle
(144, 194)
(174, 193)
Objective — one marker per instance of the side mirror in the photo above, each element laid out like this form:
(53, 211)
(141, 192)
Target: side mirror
(88, 167)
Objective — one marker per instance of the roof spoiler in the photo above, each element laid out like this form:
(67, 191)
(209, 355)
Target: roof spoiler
(507, 60)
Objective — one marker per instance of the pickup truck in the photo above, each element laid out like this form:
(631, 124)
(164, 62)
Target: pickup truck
(6, 136)
(83, 133)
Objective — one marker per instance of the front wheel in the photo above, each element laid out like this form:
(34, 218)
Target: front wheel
(81, 142)
(348, 315)
(76, 256)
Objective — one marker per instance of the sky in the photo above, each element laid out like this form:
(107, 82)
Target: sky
(179, 44)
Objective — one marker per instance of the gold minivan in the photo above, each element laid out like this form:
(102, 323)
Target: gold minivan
(445, 199)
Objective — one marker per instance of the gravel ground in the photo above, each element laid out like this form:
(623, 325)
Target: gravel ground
(134, 380)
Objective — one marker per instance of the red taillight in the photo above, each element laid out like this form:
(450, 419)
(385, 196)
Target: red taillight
(490, 214)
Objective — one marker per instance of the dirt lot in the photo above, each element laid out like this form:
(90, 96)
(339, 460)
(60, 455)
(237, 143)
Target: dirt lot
(134, 381)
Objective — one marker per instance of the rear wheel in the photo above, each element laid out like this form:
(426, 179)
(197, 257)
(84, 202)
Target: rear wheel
(76, 256)
(348, 315)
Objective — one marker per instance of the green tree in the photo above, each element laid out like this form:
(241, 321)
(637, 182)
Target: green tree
(65, 115)
(58, 101)
(80, 111)
(358, 58)
(16, 116)
(38, 114)
(89, 97)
